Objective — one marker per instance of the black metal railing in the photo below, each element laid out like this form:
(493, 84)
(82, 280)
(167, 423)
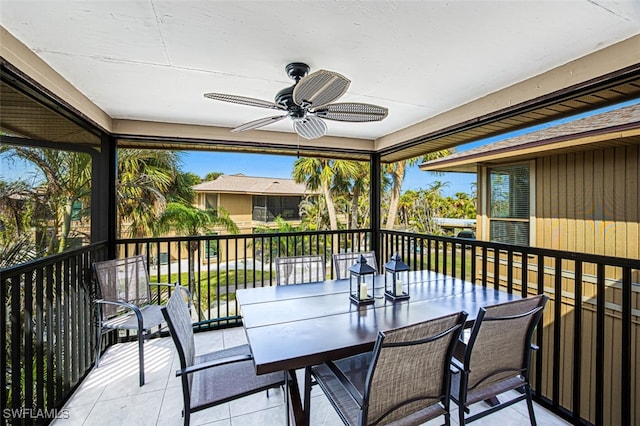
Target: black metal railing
(586, 370)
(47, 333)
(214, 266)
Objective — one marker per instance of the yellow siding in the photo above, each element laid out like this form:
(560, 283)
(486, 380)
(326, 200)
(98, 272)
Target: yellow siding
(588, 202)
(239, 207)
(585, 202)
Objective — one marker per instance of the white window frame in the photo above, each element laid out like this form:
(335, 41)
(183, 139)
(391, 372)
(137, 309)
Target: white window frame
(529, 220)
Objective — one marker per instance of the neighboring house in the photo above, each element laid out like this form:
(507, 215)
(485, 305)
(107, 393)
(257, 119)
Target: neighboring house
(570, 187)
(252, 201)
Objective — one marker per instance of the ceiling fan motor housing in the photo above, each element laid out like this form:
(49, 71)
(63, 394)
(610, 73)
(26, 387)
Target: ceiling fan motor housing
(296, 71)
(285, 99)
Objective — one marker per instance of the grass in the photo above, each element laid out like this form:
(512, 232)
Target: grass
(207, 285)
(449, 264)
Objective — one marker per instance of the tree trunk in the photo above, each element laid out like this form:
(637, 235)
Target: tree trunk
(398, 177)
(354, 207)
(66, 225)
(331, 207)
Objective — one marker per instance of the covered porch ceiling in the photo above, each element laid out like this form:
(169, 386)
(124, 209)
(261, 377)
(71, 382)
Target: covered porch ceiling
(450, 72)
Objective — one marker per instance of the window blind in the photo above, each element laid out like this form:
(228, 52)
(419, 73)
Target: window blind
(509, 204)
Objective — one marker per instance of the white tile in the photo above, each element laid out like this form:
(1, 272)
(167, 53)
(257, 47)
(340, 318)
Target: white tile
(77, 415)
(87, 393)
(271, 416)
(208, 341)
(257, 402)
(323, 413)
(111, 395)
(139, 410)
(219, 413)
(172, 406)
(234, 337)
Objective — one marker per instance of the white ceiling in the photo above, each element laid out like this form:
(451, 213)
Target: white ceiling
(154, 59)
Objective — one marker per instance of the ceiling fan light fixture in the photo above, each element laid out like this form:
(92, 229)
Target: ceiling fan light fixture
(310, 127)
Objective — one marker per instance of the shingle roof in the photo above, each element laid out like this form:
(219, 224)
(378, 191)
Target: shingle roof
(241, 184)
(607, 122)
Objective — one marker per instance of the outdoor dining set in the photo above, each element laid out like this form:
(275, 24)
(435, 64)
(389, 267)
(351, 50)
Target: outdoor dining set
(386, 347)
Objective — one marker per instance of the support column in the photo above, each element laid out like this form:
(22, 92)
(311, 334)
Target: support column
(103, 195)
(374, 202)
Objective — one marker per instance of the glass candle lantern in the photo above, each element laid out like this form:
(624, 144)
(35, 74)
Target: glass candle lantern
(361, 281)
(396, 279)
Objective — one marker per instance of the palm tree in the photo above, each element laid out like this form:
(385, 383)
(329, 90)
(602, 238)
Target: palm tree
(144, 177)
(397, 173)
(13, 206)
(67, 182)
(187, 220)
(272, 247)
(20, 250)
(313, 214)
(326, 175)
(212, 176)
(359, 185)
(182, 189)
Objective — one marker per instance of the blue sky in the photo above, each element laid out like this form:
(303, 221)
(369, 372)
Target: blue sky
(202, 163)
(264, 165)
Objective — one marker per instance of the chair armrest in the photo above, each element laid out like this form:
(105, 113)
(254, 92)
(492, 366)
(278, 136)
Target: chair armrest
(213, 363)
(134, 308)
(118, 302)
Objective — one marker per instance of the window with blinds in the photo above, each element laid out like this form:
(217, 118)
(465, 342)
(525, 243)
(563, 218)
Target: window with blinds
(509, 204)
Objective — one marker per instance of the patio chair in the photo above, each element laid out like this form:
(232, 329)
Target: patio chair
(496, 358)
(343, 261)
(126, 303)
(405, 380)
(300, 269)
(216, 377)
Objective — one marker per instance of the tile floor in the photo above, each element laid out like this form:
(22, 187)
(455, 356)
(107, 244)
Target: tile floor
(110, 395)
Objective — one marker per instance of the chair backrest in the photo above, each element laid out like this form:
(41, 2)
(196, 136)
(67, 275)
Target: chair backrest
(499, 346)
(123, 280)
(410, 368)
(176, 314)
(343, 261)
(300, 269)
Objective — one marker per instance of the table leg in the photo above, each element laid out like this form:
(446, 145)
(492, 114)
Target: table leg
(296, 410)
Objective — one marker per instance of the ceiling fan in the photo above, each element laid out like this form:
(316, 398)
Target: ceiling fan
(308, 102)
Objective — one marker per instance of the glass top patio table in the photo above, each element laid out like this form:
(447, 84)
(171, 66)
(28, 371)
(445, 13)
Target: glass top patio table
(295, 326)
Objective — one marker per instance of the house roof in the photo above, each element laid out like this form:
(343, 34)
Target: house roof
(241, 184)
(617, 127)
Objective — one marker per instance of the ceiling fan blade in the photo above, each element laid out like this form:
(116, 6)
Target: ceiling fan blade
(354, 112)
(258, 123)
(320, 88)
(242, 100)
(310, 127)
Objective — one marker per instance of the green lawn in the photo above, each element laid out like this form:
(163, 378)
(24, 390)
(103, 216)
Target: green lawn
(207, 286)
